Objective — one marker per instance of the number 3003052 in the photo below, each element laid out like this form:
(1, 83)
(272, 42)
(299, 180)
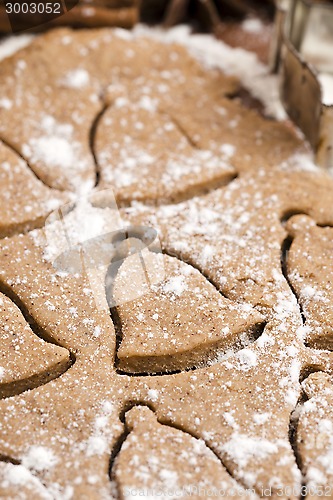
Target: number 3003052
(33, 8)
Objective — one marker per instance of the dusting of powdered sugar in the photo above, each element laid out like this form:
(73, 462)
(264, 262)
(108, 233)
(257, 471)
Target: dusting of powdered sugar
(97, 443)
(244, 64)
(243, 448)
(212, 53)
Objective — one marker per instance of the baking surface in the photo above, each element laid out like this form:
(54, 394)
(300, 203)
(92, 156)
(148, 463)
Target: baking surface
(217, 372)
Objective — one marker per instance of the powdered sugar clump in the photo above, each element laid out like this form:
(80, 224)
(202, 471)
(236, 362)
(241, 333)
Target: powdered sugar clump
(5, 103)
(153, 395)
(39, 458)
(228, 150)
(326, 82)
(12, 44)
(96, 445)
(57, 148)
(252, 25)
(20, 476)
(175, 285)
(242, 448)
(76, 78)
(54, 149)
(102, 432)
(247, 359)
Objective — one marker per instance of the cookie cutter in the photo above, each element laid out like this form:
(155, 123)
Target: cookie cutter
(302, 52)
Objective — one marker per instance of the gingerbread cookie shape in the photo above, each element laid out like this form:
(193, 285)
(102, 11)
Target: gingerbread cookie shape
(315, 435)
(159, 458)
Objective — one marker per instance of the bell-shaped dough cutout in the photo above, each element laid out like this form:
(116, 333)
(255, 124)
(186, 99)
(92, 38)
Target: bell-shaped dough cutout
(26, 201)
(26, 361)
(177, 323)
(144, 155)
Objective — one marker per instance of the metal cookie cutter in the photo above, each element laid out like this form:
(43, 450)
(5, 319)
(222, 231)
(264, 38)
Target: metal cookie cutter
(302, 51)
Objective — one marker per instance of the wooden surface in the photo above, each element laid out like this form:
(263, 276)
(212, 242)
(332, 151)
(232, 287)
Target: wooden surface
(94, 13)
